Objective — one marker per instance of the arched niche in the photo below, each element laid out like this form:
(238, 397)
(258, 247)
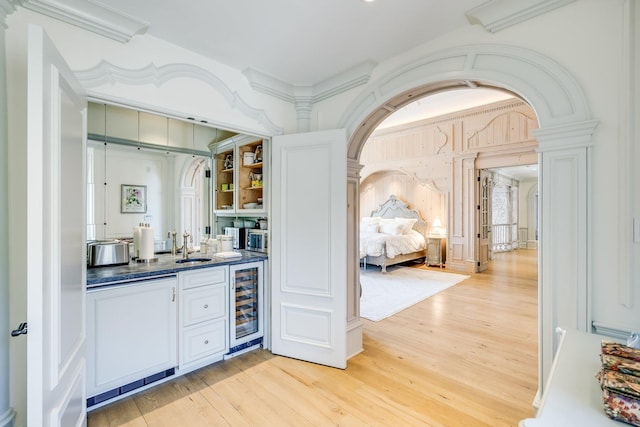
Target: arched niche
(564, 137)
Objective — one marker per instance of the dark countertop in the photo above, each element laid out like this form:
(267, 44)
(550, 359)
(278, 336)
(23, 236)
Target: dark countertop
(165, 265)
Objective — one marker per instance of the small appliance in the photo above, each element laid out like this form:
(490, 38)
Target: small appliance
(257, 240)
(239, 236)
(107, 252)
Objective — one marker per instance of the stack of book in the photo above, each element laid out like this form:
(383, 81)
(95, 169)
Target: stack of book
(620, 382)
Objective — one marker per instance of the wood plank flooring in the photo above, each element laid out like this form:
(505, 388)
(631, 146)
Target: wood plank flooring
(464, 357)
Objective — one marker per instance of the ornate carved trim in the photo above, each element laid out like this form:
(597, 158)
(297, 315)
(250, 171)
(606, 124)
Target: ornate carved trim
(497, 15)
(369, 181)
(553, 92)
(473, 141)
(343, 82)
(6, 9)
(91, 16)
(105, 72)
(572, 135)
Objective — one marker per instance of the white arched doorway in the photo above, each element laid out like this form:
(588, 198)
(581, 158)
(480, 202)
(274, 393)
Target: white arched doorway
(564, 138)
(195, 198)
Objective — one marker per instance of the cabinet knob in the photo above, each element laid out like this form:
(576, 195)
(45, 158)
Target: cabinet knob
(206, 341)
(206, 306)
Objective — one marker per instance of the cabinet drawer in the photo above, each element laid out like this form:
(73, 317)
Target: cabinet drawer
(202, 341)
(206, 276)
(203, 304)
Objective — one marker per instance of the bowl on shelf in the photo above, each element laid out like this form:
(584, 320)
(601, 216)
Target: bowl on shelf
(250, 205)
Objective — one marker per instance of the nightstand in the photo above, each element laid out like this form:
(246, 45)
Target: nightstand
(436, 250)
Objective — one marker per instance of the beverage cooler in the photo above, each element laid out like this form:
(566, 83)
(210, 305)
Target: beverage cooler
(247, 318)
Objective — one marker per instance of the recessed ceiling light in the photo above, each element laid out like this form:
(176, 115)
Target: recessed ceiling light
(368, 1)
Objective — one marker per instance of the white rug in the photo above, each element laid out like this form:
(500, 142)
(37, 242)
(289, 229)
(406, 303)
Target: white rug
(402, 287)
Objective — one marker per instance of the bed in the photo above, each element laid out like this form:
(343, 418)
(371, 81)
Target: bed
(391, 235)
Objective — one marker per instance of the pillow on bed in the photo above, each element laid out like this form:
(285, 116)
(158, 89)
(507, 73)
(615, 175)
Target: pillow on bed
(370, 220)
(392, 228)
(406, 224)
(369, 224)
(366, 228)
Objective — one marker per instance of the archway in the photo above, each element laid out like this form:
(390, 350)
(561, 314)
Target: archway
(564, 138)
(194, 197)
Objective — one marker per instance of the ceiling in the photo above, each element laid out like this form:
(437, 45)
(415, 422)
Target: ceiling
(308, 42)
(301, 42)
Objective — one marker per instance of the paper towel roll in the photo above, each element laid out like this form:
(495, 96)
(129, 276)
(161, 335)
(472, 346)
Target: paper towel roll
(146, 243)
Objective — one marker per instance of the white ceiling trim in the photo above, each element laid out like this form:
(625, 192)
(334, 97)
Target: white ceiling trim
(6, 9)
(496, 15)
(90, 16)
(354, 77)
(105, 72)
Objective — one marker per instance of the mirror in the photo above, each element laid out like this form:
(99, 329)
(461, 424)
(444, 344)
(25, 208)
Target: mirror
(146, 168)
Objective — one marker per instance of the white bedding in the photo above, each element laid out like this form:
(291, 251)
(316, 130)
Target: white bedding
(374, 244)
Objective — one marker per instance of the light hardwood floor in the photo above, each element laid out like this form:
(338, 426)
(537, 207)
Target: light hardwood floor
(464, 357)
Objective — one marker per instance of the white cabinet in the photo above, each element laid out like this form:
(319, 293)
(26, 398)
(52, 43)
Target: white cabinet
(131, 336)
(203, 321)
(241, 184)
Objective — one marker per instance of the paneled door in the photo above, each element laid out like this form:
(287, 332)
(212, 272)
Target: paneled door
(309, 247)
(56, 254)
(484, 219)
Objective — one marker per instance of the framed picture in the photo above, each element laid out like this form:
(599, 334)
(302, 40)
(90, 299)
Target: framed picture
(133, 198)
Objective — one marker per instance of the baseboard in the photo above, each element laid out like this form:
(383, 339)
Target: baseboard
(354, 339)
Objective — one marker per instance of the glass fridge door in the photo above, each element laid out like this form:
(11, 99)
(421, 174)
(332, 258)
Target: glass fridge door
(247, 302)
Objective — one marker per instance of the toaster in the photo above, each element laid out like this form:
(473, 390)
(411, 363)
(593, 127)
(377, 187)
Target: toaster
(109, 252)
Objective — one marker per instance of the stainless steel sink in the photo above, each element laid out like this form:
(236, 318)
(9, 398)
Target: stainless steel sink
(192, 260)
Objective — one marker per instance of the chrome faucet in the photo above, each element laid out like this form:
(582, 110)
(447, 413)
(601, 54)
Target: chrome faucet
(174, 243)
(186, 237)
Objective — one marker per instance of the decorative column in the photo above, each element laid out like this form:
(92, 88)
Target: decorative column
(304, 105)
(461, 223)
(7, 415)
(354, 324)
(565, 173)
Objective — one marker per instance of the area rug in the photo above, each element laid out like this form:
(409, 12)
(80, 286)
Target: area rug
(401, 287)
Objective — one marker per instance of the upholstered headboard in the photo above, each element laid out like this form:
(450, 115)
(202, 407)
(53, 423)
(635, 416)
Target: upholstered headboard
(396, 208)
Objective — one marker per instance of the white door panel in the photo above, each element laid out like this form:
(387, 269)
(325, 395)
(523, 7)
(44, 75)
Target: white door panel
(308, 247)
(56, 255)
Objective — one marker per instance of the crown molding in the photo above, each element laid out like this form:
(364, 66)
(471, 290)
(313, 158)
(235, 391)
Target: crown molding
(267, 84)
(496, 15)
(6, 8)
(107, 73)
(91, 16)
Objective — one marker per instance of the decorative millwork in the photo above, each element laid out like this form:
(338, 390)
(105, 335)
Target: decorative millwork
(369, 182)
(354, 77)
(543, 82)
(512, 127)
(440, 139)
(6, 9)
(107, 73)
(496, 15)
(91, 16)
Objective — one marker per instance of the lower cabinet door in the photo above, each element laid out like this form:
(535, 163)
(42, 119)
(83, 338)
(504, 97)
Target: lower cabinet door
(203, 343)
(131, 333)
